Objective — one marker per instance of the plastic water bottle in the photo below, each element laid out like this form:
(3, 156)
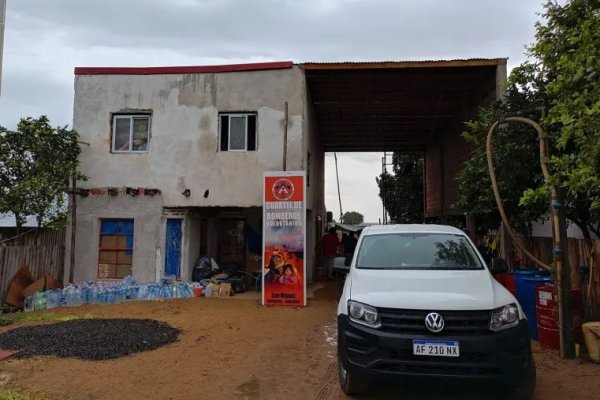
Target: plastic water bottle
(208, 291)
(68, 293)
(110, 296)
(94, 295)
(28, 303)
(77, 301)
(73, 296)
(40, 301)
(53, 298)
(127, 281)
(63, 299)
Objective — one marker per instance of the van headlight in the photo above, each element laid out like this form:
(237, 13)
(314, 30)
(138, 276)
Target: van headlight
(363, 314)
(504, 317)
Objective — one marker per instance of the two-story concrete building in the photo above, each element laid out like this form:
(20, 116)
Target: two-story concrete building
(179, 153)
(175, 155)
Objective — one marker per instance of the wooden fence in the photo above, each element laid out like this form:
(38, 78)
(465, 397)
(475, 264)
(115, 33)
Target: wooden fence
(580, 253)
(33, 237)
(42, 251)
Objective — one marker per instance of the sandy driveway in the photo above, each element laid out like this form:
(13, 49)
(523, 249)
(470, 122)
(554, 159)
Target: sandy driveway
(235, 349)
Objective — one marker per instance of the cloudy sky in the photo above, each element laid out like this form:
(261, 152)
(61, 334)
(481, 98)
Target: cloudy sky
(46, 39)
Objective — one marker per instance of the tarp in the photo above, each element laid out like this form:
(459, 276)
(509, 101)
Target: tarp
(350, 228)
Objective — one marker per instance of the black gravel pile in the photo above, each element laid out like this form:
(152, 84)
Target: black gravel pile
(89, 339)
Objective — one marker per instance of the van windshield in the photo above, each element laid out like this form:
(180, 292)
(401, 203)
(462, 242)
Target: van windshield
(417, 251)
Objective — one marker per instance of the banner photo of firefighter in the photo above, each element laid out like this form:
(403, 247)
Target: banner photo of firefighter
(284, 226)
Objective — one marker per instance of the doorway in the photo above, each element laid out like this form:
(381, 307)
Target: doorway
(232, 242)
(173, 247)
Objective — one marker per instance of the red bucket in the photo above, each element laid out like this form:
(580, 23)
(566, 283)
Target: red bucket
(508, 281)
(198, 291)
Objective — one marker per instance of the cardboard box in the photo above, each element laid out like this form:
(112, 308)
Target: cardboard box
(45, 282)
(225, 290)
(219, 289)
(213, 289)
(20, 281)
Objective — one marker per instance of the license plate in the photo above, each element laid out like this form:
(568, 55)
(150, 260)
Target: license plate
(436, 348)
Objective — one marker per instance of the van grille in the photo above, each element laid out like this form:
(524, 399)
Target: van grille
(438, 369)
(456, 323)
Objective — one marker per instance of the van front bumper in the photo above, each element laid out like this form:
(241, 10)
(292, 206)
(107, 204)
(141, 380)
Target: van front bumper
(503, 357)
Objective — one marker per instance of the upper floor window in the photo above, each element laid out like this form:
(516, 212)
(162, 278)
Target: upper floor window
(131, 133)
(238, 132)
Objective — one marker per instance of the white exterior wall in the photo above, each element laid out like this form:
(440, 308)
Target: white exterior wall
(544, 229)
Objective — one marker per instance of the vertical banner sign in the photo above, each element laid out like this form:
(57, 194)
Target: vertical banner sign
(284, 239)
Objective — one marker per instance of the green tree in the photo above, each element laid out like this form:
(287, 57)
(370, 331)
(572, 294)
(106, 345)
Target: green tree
(567, 49)
(402, 190)
(352, 218)
(36, 165)
(516, 159)
(558, 87)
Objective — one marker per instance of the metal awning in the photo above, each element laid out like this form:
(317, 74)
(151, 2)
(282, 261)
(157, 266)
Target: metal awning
(389, 106)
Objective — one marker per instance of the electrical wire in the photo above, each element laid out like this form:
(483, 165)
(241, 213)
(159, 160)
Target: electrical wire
(337, 177)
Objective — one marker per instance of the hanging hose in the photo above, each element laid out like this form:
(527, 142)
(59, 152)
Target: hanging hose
(559, 234)
(543, 154)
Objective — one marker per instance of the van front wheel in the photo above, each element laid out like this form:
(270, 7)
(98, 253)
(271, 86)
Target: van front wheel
(349, 382)
(526, 388)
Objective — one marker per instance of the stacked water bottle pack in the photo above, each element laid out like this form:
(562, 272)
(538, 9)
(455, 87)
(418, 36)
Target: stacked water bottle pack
(108, 293)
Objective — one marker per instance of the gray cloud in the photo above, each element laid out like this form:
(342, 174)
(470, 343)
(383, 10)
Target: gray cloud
(302, 30)
(45, 40)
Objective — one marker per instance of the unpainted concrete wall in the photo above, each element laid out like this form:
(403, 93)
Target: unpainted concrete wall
(315, 197)
(146, 213)
(184, 154)
(183, 149)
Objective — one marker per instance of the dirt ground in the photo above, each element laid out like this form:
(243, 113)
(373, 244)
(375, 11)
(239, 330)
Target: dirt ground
(233, 348)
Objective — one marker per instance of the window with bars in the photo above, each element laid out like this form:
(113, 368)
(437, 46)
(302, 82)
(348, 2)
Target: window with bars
(238, 131)
(116, 248)
(131, 133)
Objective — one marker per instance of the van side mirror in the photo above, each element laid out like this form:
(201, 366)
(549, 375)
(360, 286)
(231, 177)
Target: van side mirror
(348, 260)
(498, 266)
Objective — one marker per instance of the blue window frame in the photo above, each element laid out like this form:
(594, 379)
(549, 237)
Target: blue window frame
(115, 254)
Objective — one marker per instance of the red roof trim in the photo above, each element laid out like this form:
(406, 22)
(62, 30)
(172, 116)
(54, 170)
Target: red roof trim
(202, 69)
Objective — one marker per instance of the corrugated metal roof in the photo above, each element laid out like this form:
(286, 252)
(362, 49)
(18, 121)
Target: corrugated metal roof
(469, 62)
(405, 61)
(391, 106)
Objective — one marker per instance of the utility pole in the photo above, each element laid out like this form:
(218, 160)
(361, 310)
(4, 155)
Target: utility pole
(337, 178)
(2, 21)
(285, 136)
(384, 184)
(563, 275)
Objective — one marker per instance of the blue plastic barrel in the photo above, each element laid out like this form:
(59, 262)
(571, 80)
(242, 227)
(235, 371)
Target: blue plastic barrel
(520, 285)
(527, 300)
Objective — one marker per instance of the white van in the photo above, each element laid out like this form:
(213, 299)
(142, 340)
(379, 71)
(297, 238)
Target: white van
(419, 301)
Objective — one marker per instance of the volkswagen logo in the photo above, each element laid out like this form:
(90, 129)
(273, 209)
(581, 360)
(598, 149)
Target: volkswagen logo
(434, 322)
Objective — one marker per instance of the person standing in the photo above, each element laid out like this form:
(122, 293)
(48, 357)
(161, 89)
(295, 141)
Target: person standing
(349, 248)
(330, 247)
